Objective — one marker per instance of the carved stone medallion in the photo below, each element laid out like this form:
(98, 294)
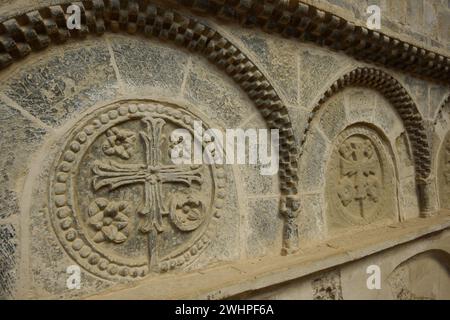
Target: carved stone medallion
(444, 173)
(359, 179)
(119, 205)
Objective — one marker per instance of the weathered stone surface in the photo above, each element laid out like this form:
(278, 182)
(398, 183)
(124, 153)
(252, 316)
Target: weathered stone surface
(20, 137)
(299, 119)
(444, 173)
(437, 96)
(55, 87)
(408, 198)
(264, 227)
(86, 140)
(415, 12)
(148, 66)
(387, 118)
(312, 171)
(216, 95)
(252, 182)
(49, 264)
(226, 244)
(419, 91)
(317, 69)
(430, 20)
(416, 20)
(442, 122)
(311, 220)
(333, 117)
(9, 261)
(403, 150)
(328, 286)
(279, 57)
(360, 105)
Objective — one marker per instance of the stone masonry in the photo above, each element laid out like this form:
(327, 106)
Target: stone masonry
(89, 193)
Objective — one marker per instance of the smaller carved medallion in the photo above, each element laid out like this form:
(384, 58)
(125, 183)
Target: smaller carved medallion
(358, 179)
(119, 205)
(109, 219)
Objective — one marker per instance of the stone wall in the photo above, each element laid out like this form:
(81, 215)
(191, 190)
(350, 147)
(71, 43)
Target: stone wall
(422, 21)
(85, 137)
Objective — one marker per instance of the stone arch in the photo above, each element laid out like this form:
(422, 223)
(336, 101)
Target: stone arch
(402, 102)
(407, 279)
(319, 181)
(36, 30)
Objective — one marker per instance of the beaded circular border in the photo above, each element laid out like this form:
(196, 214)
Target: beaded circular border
(64, 220)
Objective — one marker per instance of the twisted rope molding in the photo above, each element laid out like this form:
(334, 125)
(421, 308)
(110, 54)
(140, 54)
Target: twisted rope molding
(305, 22)
(37, 29)
(402, 102)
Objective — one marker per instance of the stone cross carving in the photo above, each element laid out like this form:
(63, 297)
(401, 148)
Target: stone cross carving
(359, 166)
(120, 153)
(152, 174)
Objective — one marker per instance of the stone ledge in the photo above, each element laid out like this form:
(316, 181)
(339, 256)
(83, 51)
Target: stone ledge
(239, 277)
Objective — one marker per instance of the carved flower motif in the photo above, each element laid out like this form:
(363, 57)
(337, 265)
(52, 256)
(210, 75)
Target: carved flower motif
(119, 142)
(188, 215)
(191, 211)
(109, 218)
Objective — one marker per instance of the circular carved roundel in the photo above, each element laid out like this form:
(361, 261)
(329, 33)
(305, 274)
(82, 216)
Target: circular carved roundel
(359, 179)
(119, 205)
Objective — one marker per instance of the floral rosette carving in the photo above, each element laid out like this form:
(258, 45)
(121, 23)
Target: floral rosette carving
(115, 216)
(119, 143)
(187, 214)
(109, 219)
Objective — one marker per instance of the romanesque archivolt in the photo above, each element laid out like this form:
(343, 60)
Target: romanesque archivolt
(444, 173)
(303, 21)
(359, 179)
(412, 119)
(118, 204)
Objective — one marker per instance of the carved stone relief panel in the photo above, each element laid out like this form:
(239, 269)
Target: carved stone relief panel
(444, 173)
(360, 179)
(118, 204)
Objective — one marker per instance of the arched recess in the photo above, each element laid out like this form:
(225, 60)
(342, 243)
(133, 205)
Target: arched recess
(36, 30)
(409, 281)
(399, 98)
